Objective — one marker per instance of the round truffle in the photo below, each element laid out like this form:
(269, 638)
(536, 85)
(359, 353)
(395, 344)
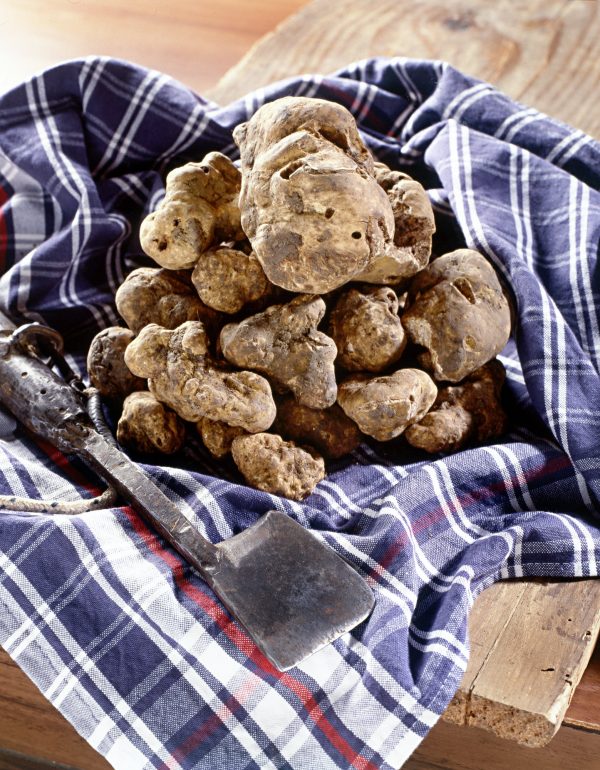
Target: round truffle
(383, 407)
(367, 330)
(147, 426)
(457, 311)
(227, 279)
(106, 364)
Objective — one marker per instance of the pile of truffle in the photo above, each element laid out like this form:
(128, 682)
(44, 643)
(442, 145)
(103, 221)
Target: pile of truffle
(295, 311)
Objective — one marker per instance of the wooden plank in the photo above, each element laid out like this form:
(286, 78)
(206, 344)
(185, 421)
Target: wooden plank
(515, 629)
(448, 747)
(489, 617)
(525, 685)
(584, 711)
(32, 728)
(542, 52)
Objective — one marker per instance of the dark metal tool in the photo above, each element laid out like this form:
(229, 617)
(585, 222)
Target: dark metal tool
(291, 592)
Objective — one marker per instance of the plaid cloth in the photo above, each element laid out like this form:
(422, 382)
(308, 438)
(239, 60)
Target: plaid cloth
(122, 637)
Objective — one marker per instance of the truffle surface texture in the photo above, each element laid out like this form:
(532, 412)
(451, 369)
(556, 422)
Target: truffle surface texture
(200, 208)
(106, 366)
(147, 426)
(383, 407)
(470, 412)
(279, 467)
(182, 375)
(226, 279)
(366, 329)
(164, 297)
(309, 202)
(456, 309)
(283, 344)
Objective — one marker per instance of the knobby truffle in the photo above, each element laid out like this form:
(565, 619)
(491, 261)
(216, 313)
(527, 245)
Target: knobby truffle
(182, 375)
(414, 226)
(366, 329)
(309, 202)
(463, 414)
(200, 208)
(279, 467)
(106, 364)
(226, 279)
(218, 436)
(383, 407)
(147, 426)
(165, 297)
(457, 311)
(283, 343)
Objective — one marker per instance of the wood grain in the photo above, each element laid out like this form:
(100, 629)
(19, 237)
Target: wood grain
(194, 42)
(545, 53)
(448, 747)
(489, 617)
(521, 687)
(584, 711)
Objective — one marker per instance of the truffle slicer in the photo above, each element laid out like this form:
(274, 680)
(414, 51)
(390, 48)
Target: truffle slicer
(291, 592)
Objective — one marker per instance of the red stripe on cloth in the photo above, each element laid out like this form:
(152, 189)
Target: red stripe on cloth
(243, 642)
(65, 465)
(3, 230)
(465, 501)
(227, 709)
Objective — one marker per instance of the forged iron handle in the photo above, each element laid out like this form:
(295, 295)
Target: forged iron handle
(150, 502)
(52, 410)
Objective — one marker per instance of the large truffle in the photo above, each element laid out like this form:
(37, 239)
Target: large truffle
(283, 343)
(147, 426)
(456, 309)
(226, 279)
(383, 407)
(200, 208)
(164, 297)
(309, 203)
(328, 430)
(182, 375)
(463, 414)
(279, 467)
(106, 366)
(365, 327)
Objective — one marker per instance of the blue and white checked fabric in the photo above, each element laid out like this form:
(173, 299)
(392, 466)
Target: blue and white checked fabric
(114, 629)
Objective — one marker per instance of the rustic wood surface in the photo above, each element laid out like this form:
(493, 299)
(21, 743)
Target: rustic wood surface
(489, 617)
(584, 711)
(448, 747)
(545, 53)
(531, 643)
(195, 42)
(31, 729)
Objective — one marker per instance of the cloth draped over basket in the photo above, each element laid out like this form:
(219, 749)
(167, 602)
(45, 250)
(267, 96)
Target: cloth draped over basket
(116, 631)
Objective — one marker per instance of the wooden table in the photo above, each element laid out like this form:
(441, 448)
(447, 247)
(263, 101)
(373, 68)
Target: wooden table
(531, 641)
